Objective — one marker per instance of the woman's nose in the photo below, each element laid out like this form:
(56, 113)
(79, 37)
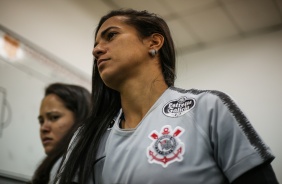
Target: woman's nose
(45, 127)
(98, 50)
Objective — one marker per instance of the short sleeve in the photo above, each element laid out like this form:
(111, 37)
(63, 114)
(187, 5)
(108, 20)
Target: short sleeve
(236, 145)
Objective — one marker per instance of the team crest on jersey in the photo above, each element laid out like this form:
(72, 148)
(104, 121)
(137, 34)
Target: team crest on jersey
(166, 147)
(179, 107)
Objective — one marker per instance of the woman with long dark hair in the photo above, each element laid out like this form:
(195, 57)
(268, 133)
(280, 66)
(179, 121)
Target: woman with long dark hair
(142, 129)
(62, 111)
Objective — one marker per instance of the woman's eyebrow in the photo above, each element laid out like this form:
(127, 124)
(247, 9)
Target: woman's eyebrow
(103, 33)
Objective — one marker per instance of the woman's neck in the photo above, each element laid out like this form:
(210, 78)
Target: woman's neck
(139, 96)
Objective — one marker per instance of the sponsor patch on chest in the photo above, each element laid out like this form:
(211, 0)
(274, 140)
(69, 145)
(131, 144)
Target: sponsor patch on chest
(166, 147)
(178, 107)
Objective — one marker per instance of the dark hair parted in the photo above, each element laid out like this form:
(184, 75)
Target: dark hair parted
(76, 99)
(106, 102)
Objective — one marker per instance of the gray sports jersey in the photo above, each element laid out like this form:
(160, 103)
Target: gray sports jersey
(54, 170)
(188, 136)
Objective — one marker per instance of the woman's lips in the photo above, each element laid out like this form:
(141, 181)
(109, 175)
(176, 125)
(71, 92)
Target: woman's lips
(46, 140)
(100, 61)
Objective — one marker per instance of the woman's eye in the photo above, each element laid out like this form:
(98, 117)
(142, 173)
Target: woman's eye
(41, 121)
(111, 35)
(54, 118)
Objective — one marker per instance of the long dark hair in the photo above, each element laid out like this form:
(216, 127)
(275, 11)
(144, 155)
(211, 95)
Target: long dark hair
(76, 99)
(106, 101)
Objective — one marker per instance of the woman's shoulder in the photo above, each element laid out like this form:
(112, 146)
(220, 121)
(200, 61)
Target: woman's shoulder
(204, 94)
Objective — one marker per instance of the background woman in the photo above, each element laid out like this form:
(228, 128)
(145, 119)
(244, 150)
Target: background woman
(62, 110)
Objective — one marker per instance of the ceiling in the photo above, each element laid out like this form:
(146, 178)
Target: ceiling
(196, 24)
(65, 28)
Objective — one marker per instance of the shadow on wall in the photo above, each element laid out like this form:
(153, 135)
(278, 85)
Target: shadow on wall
(10, 180)
(5, 111)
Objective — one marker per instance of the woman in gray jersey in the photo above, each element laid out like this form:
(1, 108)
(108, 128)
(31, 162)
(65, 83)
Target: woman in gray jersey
(142, 129)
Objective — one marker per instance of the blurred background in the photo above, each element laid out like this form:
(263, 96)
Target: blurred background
(230, 45)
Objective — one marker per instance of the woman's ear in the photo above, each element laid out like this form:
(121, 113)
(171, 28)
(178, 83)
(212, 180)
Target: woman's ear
(156, 41)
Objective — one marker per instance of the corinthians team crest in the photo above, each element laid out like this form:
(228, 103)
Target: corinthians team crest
(166, 147)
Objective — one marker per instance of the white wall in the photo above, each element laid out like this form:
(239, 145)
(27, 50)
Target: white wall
(20, 146)
(250, 71)
(63, 28)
